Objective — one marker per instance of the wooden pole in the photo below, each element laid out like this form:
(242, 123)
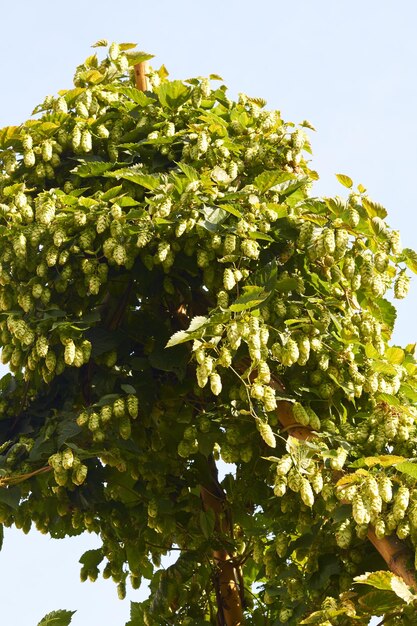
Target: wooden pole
(229, 604)
(228, 592)
(141, 76)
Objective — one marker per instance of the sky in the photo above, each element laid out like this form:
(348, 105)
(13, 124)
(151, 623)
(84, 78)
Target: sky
(346, 66)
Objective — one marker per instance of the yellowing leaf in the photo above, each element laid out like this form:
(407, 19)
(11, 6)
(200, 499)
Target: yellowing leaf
(345, 180)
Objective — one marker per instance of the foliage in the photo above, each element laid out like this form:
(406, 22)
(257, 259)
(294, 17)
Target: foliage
(168, 283)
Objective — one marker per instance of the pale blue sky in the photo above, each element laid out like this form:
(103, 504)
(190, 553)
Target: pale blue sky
(347, 66)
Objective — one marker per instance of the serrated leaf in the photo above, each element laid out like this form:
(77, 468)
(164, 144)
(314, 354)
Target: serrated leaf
(57, 618)
(127, 46)
(148, 181)
(347, 480)
(373, 209)
(10, 496)
(409, 392)
(111, 193)
(346, 181)
(284, 285)
(194, 331)
(389, 399)
(269, 179)
(279, 209)
(371, 352)
(386, 581)
(386, 460)
(402, 590)
(91, 558)
(92, 168)
(101, 43)
(384, 368)
(378, 602)
(94, 77)
(190, 172)
(7, 135)
(138, 56)
(252, 297)
(172, 94)
(407, 467)
(136, 95)
(410, 258)
(136, 614)
(394, 355)
(231, 209)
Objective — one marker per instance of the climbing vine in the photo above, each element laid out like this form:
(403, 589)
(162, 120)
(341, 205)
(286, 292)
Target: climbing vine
(172, 294)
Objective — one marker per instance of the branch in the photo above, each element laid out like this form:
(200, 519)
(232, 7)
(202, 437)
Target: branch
(394, 552)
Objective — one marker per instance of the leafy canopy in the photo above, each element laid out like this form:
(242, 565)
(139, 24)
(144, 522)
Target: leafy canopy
(168, 286)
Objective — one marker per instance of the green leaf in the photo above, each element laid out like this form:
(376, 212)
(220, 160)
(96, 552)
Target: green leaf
(128, 388)
(394, 355)
(269, 179)
(279, 209)
(410, 258)
(10, 496)
(379, 602)
(127, 46)
(190, 172)
(137, 96)
(371, 352)
(136, 614)
(172, 94)
(373, 209)
(284, 285)
(345, 180)
(386, 581)
(101, 43)
(389, 399)
(384, 368)
(148, 181)
(92, 558)
(7, 135)
(207, 523)
(138, 56)
(409, 392)
(407, 467)
(252, 297)
(231, 209)
(57, 618)
(67, 429)
(194, 331)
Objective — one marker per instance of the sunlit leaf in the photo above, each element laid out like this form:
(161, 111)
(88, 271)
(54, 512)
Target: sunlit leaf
(345, 180)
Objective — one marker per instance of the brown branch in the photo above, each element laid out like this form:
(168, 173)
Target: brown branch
(395, 553)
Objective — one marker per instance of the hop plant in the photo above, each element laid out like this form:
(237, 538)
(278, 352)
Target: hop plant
(177, 217)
